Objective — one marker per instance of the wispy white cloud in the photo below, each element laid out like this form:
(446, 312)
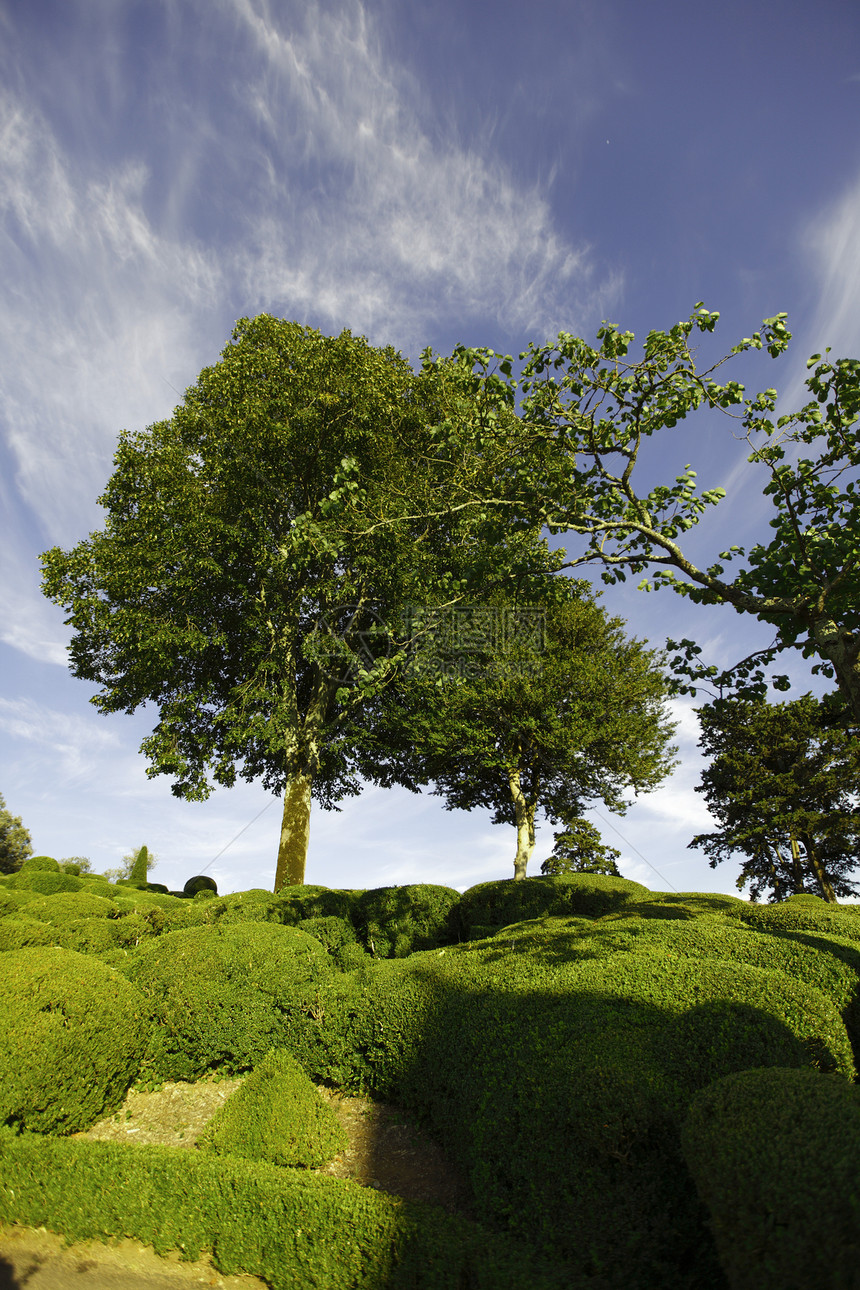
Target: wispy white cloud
(122, 267)
(100, 314)
(68, 748)
(831, 245)
(401, 225)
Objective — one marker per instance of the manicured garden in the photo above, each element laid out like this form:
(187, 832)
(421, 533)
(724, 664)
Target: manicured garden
(644, 1091)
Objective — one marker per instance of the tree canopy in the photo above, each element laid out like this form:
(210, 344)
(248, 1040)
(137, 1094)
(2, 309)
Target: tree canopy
(586, 413)
(784, 786)
(516, 707)
(579, 848)
(15, 841)
(290, 509)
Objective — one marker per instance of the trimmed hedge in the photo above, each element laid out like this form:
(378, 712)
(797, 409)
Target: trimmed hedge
(21, 932)
(308, 901)
(559, 1087)
(498, 904)
(72, 1033)
(801, 916)
(45, 882)
(12, 899)
(69, 906)
(254, 906)
(394, 922)
(278, 1116)
(290, 1227)
(803, 960)
(40, 864)
(775, 1155)
(223, 995)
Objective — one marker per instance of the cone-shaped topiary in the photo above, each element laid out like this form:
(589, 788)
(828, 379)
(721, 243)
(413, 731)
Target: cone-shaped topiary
(278, 1116)
(140, 867)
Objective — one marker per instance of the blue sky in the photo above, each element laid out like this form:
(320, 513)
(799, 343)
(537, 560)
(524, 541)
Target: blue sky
(424, 175)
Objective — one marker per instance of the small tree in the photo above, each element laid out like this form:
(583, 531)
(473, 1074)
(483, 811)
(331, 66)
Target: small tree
(76, 864)
(15, 841)
(516, 720)
(784, 786)
(580, 849)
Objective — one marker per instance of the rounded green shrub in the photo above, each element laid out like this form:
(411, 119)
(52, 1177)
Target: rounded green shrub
(13, 898)
(351, 957)
(573, 1106)
(201, 884)
(17, 933)
(801, 916)
(40, 864)
(72, 1033)
(98, 884)
(396, 921)
(688, 905)
(836, 975)
(45, 882)
(775, 1155)
(278, 1116)
(255, 906)
(90, 935)
(224, 995)
(500, 903)
(66, 906)
(332, 933)
(308, 901)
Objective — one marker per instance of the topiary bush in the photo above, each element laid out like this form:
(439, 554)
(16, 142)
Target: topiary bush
(559, 1086)
(254, 906)
(308, 901)
(46, 882)
(40, 864)
(224, 995)
(72, 1034)
(19, 932)
(332, 933)
(498, 904)
(775, 1155)
(278, 1116)
(202, 884)
(396, 921)
(800, 916)
(71, 905)
(12, 899)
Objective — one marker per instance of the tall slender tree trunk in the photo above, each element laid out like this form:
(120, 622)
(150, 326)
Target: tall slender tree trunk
(304, 758)
(818, 869)
(795, 865)
(524, 813)
(295, 832)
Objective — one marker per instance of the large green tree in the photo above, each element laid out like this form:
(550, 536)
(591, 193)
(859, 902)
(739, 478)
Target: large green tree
(587, 412)
(15, 841)
(517, 705)
(784, 786)
(257, 546)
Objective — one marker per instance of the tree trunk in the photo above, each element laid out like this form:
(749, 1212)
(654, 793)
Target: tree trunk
(818, 869)
(296, 819)
(839, 646)
(795, 866)
(295, 832)
(525, 817)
